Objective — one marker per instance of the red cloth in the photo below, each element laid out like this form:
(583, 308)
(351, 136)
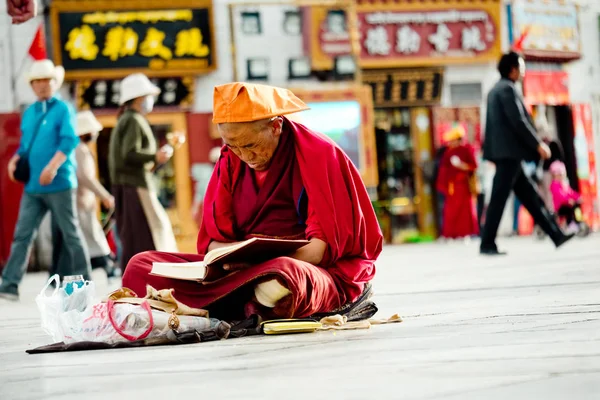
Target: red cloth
(460, 213)
(260, 177)
(309, 177)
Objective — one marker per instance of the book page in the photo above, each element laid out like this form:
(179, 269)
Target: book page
(192, 271)
(216, 253)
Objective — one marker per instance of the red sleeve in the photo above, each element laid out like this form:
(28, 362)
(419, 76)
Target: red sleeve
(314, 231)
(470, 155)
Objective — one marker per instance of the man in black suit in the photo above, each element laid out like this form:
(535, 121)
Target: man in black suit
(510, 138)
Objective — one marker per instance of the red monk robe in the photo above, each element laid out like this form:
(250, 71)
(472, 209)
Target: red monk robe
(311, 190)
(460, 213)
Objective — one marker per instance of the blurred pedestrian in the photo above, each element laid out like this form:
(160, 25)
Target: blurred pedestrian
(510, 137)
(142, 222)
(567, 202)
(88, 192)
(45, 163)
(457, 182)
(439, 196)
(546, 179)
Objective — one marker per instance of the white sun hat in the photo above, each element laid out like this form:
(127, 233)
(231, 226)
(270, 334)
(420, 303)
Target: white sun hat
(87, 123)
(45, 69)
(136, 85)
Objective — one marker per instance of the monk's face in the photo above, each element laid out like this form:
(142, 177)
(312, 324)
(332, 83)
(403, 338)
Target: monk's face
(253, 142)
(455, 143)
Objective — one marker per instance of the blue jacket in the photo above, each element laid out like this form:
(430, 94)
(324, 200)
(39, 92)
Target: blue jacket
(56, 132)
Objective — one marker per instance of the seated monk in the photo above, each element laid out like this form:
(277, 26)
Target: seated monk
(276, 178)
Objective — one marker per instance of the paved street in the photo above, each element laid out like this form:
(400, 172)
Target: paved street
(526, 326)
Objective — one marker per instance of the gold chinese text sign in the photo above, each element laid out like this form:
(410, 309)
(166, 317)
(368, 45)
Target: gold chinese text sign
(105, 39)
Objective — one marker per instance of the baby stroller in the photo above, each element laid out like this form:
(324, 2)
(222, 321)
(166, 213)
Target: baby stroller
(566, 201)
(579, 227)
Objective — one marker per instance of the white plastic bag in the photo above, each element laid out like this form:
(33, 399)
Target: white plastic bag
(53, 307)
(108, 323)
(112, 322)
(75, 318)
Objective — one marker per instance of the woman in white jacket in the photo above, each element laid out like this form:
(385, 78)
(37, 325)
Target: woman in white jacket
(88, 192)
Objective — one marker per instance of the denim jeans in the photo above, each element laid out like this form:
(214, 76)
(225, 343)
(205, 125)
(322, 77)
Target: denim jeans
(63, 207)
(60, 255)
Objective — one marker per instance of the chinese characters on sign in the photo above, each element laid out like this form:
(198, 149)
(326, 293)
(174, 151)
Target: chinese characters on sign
(551, 26)
(426, 32)
(111, 42)
(405, 87)
(104, 94)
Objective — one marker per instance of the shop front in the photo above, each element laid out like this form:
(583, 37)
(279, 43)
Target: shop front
(549, 37)
(403, 99)
(405, 48)
(101, 42)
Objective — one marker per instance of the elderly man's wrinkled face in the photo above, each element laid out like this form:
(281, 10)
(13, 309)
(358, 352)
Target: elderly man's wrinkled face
(43, 88)
(253, 142)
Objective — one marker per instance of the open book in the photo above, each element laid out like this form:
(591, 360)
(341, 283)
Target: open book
(251, 251)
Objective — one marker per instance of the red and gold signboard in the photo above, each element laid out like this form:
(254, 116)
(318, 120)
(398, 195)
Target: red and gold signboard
(546, 87)
(586, 164)
(409, 33)
(325, 36)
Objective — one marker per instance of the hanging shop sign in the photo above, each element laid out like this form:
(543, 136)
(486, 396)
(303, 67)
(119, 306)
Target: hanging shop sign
(550, 29)
(112, 39)
(325, 36)
(408, 33)
(409, 87)
(546, 87)
(103, 94)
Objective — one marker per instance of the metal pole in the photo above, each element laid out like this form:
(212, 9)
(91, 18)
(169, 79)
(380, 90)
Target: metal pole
(230, 7)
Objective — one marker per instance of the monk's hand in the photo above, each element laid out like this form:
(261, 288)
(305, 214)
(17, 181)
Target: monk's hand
(236, 266)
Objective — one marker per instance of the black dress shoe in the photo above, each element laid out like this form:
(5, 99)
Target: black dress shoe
(491, 252)
(564, 239)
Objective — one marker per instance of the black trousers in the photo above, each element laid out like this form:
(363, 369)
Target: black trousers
(510, 177)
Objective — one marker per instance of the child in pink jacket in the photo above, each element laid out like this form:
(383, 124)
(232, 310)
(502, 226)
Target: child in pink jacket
(566, 200)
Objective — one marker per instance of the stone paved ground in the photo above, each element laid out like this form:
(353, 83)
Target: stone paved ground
(525, 326)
